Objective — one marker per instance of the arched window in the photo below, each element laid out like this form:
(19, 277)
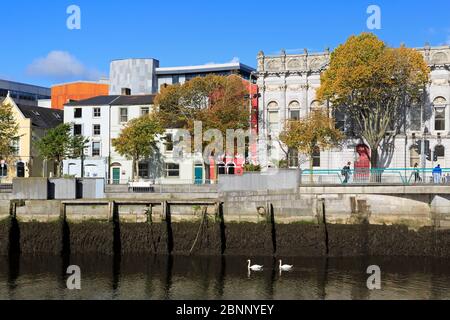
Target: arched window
(316, 105)
(273, 117)
(3, 170)
(20, 170)
(439, 113)
(231, 169)
(294, 110)
(316, 157)
(221, 169)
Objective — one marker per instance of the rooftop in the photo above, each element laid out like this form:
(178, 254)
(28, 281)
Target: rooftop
(42, 117)
(115, 100)
(205, 68)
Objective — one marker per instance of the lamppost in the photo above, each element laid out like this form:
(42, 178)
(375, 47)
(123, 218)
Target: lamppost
(422, 148)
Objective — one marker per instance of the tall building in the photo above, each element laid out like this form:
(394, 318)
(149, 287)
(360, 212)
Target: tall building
(23, 93)
(288, 85)
(138, 76)
(79, 90)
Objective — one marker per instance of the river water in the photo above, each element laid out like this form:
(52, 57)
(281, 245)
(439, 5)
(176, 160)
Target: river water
(204, 278)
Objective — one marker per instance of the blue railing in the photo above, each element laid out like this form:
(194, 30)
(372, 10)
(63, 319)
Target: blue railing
(396, 176)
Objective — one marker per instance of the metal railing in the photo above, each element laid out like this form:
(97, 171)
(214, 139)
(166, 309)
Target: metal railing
(6, 187)
(161, 186)
(397, 176)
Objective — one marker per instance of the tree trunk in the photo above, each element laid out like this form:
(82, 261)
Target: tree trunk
(136, 170)
(375, 173)
(311, 168)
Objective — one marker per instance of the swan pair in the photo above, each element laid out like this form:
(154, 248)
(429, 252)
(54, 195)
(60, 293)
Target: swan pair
(257, 267)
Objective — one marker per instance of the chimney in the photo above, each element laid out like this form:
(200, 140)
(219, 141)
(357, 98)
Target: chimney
(126, 91)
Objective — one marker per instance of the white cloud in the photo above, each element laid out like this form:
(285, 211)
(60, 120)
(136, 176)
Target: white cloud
(61, 65)
(234, 60)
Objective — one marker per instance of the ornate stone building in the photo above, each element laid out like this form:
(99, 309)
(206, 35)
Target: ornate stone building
(288, 85)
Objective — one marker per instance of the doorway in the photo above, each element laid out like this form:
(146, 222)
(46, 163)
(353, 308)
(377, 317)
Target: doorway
(116, 175)
(20, 170)
(198, 173)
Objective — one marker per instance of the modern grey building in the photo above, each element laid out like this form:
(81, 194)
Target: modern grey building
(175, 75)
(24, 93)
(136, 75)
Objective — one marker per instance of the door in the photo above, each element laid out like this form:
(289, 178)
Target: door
(20, 170)
(116, 175)
(198, 174)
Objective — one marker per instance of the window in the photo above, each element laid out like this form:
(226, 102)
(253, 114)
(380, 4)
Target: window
(169, 142)
(294, 110)
(145, 111)
(339, 121)
(143, 170)
(15, 147)
(221, 168)
(123, 115)
(97, 130)
(4, 170)
(175, 79)
(77, 130)
(273, 118)
(96, 149)
(172, 170)
(439, 119)
(97, 113)
(78, 113)
(294, 115)
(316, 157)
(439, 152)
(293, 158)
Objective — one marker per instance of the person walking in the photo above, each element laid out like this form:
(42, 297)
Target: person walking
(346, 171)
(416, 173)
(437, 174)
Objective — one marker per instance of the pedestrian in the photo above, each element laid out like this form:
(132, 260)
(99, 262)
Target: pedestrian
(416, 173)
(346, 171)
(437, 174)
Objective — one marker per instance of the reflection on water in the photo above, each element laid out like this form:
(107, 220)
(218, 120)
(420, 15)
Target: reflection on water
(195, 278)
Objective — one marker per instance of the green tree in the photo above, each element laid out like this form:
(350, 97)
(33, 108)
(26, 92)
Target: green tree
(8, 132)
(374, 84)
(317, 130)
(77, 146)
(56, 145)
(138, 139)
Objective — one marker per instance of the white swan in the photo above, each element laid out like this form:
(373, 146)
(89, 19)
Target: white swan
(285, 267)
(254, 267)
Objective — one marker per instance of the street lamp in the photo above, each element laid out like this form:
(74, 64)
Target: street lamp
(424, 163)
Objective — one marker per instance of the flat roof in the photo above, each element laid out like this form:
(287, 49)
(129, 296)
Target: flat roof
(78, 81)
(115, 100)
(217, 67)
(14, 83)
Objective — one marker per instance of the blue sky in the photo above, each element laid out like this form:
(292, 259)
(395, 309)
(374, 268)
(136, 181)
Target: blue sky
(38, 48)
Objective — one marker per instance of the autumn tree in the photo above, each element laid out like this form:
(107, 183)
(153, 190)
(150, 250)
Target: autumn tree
(373, 85)
(56, 145)
(8, 132)
(317, 130)
(138, 139)
(219, 102)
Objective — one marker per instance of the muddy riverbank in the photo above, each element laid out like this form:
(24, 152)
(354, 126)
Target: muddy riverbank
(217, 238)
